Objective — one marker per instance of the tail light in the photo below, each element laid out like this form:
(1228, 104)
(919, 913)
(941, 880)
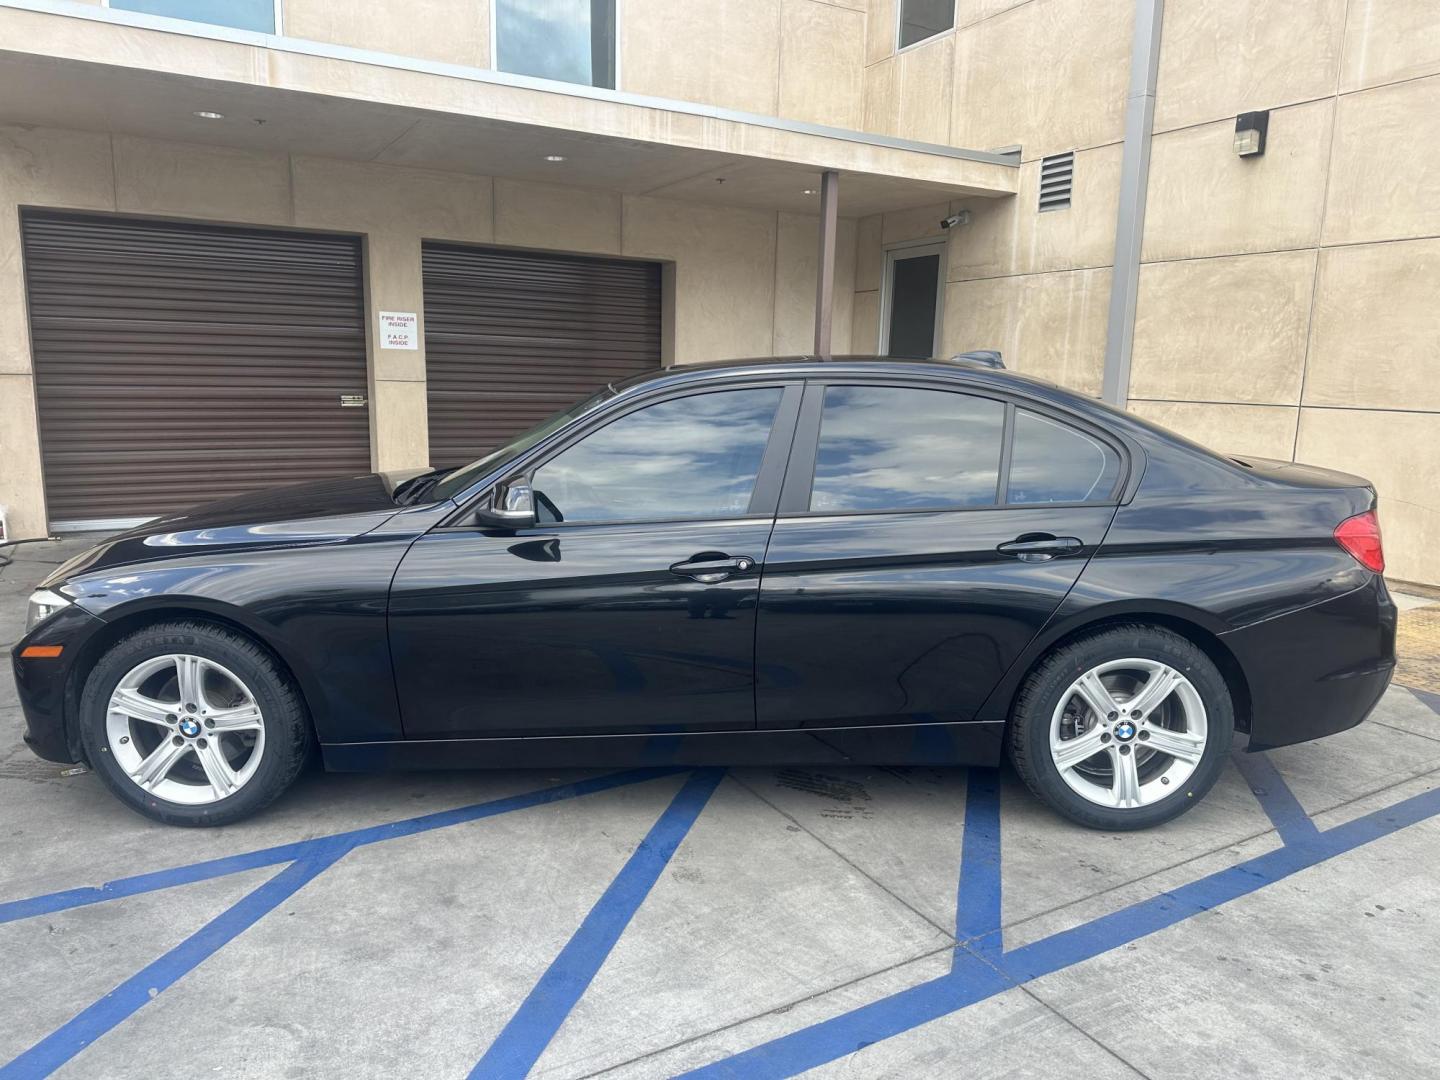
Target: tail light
(1360, 536)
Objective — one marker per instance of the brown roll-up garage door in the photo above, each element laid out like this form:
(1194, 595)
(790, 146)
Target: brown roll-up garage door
(177, 363)
(513, 336)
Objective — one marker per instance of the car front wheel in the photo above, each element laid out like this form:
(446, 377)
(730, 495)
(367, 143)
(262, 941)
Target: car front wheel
(1124, 728)
(193, 724)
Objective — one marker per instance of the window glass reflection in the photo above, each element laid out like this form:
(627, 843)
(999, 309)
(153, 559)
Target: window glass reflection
(241, 14)
(921, 19)
(1054, 463)
(694, 457)
(568, 40)
(891, 448)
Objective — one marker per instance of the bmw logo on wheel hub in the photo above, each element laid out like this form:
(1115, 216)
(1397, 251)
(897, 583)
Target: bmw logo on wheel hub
(1125, 730)
(189, 727)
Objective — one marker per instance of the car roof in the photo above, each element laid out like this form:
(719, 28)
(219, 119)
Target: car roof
(972, 372)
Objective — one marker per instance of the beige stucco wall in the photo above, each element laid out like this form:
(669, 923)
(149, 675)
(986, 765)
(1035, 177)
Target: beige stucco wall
(801, 59)
(1288, 304)
(1049, 76)
(450, 31)
(743, 280)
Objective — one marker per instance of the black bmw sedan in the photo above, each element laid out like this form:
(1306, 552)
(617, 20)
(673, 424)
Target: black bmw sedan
(849, 561)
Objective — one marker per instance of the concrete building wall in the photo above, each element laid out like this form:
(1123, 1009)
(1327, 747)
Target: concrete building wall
(1286, 303)
(450, 31)
(1048, 76)
(743, 281)
(800, 59)
(1289, 305)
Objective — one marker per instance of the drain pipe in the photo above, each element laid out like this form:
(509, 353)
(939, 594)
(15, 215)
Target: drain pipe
(1134, 179)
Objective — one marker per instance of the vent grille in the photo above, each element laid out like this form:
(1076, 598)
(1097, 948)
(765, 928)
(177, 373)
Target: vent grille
(1056, 173)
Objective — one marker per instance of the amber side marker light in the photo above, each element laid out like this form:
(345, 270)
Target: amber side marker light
(41, 652)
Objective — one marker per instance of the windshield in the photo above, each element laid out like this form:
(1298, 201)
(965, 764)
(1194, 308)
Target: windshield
(456, 481)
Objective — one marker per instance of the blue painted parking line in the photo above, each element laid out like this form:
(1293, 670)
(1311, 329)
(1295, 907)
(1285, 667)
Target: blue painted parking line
(977, 901)
(273, 856)
(983, 975)
(981, 967)
(540, 1015)
(1275, 798)
(307, 859)
(137, 991)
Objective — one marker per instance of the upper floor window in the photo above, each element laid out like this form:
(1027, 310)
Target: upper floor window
(258, 15)
(567, 40)
(921, 19)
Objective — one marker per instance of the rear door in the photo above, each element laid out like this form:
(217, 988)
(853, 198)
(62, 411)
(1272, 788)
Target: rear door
(925, 535)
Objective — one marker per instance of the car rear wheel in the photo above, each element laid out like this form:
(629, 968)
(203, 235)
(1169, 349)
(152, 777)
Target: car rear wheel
(193, 724)
(1124, 728)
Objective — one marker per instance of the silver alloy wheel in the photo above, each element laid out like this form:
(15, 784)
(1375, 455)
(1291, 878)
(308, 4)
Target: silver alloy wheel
(185, 729)
(1128, 733)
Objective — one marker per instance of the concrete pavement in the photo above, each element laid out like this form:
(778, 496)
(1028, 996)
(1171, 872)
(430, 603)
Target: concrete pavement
(751, 922)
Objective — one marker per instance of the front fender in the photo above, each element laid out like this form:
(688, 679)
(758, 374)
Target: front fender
(322, 610)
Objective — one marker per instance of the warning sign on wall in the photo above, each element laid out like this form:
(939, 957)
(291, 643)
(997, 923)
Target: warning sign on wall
(399, 330)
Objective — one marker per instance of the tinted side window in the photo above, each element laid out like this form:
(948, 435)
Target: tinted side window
(1054, 463)
(693, 457)
(893, 448)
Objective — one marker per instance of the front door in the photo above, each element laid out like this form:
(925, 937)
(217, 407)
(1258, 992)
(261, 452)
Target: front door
(630, 607)
(939, 532)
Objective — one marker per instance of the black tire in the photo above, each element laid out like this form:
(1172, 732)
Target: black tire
(1028, 735)
(282, 710)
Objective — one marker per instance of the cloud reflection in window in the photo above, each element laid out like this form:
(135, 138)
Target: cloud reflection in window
(549, 39)
(692, 457)
(892, 448)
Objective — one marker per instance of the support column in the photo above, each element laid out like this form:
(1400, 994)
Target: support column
(1134, 180)
(825, 269)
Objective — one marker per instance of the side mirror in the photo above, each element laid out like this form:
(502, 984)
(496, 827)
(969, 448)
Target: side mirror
(511, 507)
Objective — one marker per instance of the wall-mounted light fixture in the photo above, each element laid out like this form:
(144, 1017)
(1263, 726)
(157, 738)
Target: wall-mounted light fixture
(1250, 133)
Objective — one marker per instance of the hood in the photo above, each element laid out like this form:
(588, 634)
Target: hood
(319, 512)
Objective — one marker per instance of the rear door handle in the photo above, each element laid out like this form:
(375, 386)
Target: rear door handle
(710, 566)
(1038, 547)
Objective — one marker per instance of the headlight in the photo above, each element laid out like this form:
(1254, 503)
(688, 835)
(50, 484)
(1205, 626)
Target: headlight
(43, 604)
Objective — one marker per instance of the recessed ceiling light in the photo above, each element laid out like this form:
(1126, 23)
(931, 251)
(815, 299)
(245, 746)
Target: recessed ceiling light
(809, 191)
(206, 114)
(554, 157)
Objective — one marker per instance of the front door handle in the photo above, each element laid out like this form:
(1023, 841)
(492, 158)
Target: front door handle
(1039, 547)
(712, 566)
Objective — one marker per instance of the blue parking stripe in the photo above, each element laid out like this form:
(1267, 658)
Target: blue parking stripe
(977, 902)
(273, 856)
(1276, 798)
(540, 1015)
(137, 991)
(977, 978)
(970, 981)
